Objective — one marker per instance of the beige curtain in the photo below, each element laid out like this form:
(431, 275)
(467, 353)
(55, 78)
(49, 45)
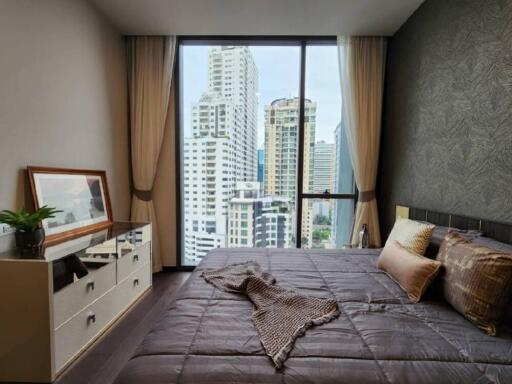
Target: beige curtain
(150, 71)
(361, 65)
(164, 188)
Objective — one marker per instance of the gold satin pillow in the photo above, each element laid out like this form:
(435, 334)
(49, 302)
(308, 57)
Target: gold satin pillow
(476, 280)
(411, 234)
(412, 272)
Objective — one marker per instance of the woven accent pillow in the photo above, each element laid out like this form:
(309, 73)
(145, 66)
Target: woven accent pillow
(440, 233)
(476, 280)
(412, 272)
(413, 235)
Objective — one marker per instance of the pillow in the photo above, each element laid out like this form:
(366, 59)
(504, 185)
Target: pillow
(412, 272)
(476, 280)
(412, 235)
(494, 244)
(440, 233)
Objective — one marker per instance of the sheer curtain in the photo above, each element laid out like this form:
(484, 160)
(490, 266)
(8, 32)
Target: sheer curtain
(361, 66)
(150, 71)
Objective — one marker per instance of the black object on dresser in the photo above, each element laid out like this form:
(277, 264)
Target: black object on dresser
(54, 307)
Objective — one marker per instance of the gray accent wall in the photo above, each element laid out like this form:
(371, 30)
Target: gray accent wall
(447, 123)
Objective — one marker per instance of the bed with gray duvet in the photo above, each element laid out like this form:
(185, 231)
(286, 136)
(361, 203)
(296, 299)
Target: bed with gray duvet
(380, 336)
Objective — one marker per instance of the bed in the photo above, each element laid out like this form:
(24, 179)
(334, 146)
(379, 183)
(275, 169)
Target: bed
(207, 336)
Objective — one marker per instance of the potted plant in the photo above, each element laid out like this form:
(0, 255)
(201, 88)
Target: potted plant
(29, 232)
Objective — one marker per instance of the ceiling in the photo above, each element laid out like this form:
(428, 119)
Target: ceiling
(258, 17)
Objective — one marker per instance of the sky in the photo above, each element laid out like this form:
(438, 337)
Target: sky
(278, 71)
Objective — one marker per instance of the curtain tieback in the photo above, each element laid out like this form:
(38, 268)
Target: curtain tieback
(365, 196)
(143, 195)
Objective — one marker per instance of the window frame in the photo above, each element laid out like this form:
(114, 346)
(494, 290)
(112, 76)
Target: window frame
(299, 41)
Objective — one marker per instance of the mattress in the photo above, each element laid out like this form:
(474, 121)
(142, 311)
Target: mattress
(207, 335)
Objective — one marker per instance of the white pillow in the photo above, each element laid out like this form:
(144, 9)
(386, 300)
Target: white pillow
(412, 235)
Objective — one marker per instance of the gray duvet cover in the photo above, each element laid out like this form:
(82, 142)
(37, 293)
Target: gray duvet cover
(207, 335)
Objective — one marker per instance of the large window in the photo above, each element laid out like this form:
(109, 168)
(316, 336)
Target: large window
(328, 183)
(263, 155)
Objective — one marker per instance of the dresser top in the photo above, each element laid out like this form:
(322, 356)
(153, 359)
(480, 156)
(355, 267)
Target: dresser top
(99, 246)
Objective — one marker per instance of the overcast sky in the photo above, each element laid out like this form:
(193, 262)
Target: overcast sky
(278, 70)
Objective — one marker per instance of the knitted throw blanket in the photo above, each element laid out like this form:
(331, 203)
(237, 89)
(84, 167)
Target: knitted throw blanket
(280, 316)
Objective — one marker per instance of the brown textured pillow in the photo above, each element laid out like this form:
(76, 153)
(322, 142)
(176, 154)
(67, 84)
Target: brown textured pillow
(411, 271)
(440, 233)
(476, 280)
(411, 234)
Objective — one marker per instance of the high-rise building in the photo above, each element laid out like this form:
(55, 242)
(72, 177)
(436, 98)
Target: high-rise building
(281, 153)
(273, 222)
(261, 165)
(323, 170)
(281, 146)
(256, 221)
(221, 150)
(343, 210)
(232, 74)
(241, 214)
(207, 189)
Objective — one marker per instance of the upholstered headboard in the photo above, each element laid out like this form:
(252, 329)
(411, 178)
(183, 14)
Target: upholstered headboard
(496, 230)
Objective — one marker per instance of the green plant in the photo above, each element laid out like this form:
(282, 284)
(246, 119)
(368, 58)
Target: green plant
(25, 221)
(321, 234)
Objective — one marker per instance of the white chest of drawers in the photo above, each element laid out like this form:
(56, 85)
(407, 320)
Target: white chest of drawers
(42, 329)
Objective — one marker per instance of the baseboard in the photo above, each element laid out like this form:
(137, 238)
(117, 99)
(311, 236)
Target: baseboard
(178, 269)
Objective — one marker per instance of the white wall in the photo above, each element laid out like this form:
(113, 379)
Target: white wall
(258, 17)
(63, 96)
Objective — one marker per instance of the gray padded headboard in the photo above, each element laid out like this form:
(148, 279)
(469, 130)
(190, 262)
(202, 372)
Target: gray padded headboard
(496, 230)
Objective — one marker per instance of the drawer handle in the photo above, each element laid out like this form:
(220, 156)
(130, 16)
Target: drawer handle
(91, 317)
(136, 281)
(90, 285)
(135, 258)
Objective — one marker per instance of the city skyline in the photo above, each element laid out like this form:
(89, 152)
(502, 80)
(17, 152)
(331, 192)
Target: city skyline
(240, 190)
(273, 62)
(221, 148)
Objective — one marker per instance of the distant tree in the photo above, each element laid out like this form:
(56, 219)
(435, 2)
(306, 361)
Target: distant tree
(322, 220)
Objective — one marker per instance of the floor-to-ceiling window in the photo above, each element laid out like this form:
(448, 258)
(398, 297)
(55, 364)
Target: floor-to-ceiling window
(328, 184)
(263, 155)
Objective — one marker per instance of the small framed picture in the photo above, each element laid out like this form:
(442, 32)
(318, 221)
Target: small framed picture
(81, 195)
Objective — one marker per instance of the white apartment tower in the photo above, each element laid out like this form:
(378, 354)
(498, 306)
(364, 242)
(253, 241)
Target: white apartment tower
(241, 214)
(256, 221)
(273, 222)
(323, 174)
(221, 150)
(232, 74)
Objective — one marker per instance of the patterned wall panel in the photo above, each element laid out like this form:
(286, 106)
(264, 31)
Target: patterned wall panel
(447, 132)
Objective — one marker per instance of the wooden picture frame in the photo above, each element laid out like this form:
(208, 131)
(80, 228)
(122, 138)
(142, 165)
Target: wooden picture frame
(82, 195)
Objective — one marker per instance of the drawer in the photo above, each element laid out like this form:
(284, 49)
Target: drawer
(132, 261)
(75, 297)
(72, 336)
(133, 286)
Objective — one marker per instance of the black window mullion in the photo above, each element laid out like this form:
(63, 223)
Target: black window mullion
(300, 147)
(327, 196)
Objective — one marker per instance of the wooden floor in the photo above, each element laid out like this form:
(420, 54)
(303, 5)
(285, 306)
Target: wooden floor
(105, 359)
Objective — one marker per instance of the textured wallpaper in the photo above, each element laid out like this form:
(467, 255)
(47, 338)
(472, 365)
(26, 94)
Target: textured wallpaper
(447, 128)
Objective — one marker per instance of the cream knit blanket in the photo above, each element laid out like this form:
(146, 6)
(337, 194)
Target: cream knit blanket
(280, 315)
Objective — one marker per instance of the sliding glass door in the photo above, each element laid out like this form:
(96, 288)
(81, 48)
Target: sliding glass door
(258, 146)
